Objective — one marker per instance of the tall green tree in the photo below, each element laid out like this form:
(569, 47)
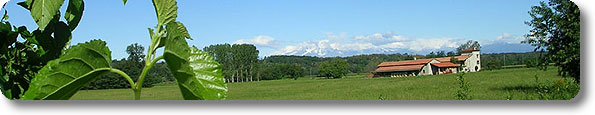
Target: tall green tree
(441, 54)
(239, 60)
(431, 55)
(556, 34)
(222, 54)
(334, 68)
(135, 52)
(467, 45)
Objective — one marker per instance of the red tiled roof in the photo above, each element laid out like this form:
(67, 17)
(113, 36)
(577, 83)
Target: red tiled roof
(445, 64)
(408, 62)
(399, 68)
(447, 59)
(469, 50)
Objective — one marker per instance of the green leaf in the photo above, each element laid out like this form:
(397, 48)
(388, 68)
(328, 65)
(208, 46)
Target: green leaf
(74, 13)
(43, 11)
(62, 36)
(26, 4)
(179, 28)
(183, 30)
(7, 36)
(63, 77)
(124, 1)
(197, 73)
(167, 11)
(52, 47)
(25, 34)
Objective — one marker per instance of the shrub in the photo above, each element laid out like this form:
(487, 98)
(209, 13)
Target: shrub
(334, 68)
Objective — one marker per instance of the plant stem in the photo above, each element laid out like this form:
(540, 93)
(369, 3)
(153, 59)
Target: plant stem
(139, 82)
(121, 73)
(132, 85)
(149, 62)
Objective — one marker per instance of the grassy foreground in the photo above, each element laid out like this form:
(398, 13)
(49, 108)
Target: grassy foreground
(485, 85)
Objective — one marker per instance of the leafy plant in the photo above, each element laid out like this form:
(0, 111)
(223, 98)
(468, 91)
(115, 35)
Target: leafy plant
(556, 34)
(381, 97)
(132, 66)
(20, 61)
(334, 68)
(197, 73)
(81, 64)
(494, 64)
(563, 89)
(464, 92)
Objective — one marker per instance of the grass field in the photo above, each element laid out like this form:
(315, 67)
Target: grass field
(485, 85)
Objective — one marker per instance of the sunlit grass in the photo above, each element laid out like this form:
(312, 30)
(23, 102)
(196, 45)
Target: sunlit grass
(485, 85)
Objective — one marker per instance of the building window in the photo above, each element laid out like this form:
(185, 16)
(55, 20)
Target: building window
(477, 55)
(478, 62)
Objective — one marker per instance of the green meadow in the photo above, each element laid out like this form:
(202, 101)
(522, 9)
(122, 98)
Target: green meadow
(502, 84)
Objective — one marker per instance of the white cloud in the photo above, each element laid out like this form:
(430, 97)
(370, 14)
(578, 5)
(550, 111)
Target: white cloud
(261, 41)
(335, 45)
(431, 44)
(505, 38)
(379, 38)
(504, 35)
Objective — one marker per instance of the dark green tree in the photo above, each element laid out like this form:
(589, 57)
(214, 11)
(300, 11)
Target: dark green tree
(295, 71)
(556, 34)
(494, 64)
(239, 61)
(441, 54)
(467, 45)
(334, 68)
(222, 54)
(451, 53)
(135, 52)
(431, 55)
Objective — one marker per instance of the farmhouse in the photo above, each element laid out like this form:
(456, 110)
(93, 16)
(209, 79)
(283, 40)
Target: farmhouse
(469, 61)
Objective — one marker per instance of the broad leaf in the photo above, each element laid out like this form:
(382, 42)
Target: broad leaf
(74, 13)
(62, 36)
(25, 34)
(63, 77)
(124, 1)
(44, 10)
(183, 30)
(198, 74)
(179, 28)
(7, 36)
(167, 11)
(52, 46)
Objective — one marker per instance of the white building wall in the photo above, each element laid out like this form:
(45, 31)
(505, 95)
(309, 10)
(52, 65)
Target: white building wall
(427, 69)
(472, 62)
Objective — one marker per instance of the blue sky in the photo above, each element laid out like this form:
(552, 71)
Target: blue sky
(309, 27)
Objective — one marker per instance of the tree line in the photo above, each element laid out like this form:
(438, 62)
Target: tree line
(240, 63)
(132, 65)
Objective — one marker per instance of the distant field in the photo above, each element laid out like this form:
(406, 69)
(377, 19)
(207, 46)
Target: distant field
(485, 85)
